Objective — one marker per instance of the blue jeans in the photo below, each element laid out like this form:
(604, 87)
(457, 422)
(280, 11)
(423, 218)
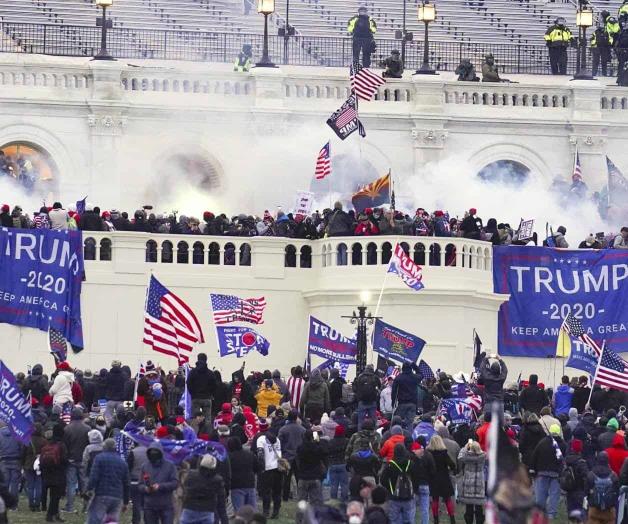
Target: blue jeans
(12, 471)
(407, 411)
(547, 494)
(74, 484)
(402, 511)
(196, 517)
(423, 503)
(339, 478)
(33, 488)
(159, 516)
(103, 509)
(365, 409)
(243, 497)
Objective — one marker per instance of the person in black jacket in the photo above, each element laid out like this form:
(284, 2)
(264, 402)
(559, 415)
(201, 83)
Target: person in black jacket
(203, 492)
(533, 398)
(244, 467)
(202, 386)
(335, 388)
(338, 474)
(579, 471)
(36, 384)
(401, 507)
(311, 468)
(405, 395)
(222, 393)
(114, 390)
(547, 463)
(471, 225)
(531, 434)
(493, 375)
(91, 221)
(581, 394)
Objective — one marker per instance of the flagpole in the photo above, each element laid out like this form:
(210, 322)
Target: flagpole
(381, 292)
(329, 177)
(473, 346)
(597, 368)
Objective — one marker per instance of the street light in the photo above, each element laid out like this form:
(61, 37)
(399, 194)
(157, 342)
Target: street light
(265, 7)
(404, 35)
(361, 320)
(287, 31)
(427, 14)
(584, 19)
(103, 54)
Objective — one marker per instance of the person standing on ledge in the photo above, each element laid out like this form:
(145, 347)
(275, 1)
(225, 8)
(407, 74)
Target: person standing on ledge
(557, 38)
(362, 28)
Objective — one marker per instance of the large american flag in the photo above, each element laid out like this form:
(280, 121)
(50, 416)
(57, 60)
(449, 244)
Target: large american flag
(425, 370)
(574, 328)
(170, 326)
(612, 371)
(323, 163)
(364, 82)
(229, 308)
(577, 169)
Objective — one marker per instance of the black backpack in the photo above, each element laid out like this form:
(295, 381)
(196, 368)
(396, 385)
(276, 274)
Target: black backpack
(603, 495)
(365, 390)
(403, 489)
(567, 479)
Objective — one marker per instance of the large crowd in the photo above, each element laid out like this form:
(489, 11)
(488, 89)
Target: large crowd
(381, 449)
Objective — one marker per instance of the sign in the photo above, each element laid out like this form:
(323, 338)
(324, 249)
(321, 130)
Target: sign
(395, 344)
(41, 273)
(582, 357)
(330, 344)
(457, 409)
(15, 409)
(545, 285)
(240, 341)
(303, 203)
(526, 230)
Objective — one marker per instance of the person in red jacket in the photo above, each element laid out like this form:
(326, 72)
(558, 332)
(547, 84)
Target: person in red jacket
(365, 226)
(388, 448)
(617, 453)
(482, 431)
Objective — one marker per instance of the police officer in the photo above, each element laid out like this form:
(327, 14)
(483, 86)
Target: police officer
(362, 28)
(621, 48)
(623, 11)
(242, 62)
(602, 40)
(393, 65)
(558, 38)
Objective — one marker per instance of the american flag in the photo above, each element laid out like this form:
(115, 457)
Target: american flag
(66, 412)
(577, 169)
(323, 163)
(58, 345)
(170, 326)
(425, 370)
(348, 115)
(364, 82)
(392, 371)
(229, 308)
(612, 371)
(574, 328)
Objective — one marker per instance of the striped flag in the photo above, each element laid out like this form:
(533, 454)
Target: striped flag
(229, 308)
(170, 326)
(425, 370)
(577, 169)
(323, 163)
(66, 412)
(612, 371)
(58, 345)
(364, 82)
(573, 327)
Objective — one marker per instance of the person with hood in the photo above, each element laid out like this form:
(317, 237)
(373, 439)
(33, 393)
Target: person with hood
(405, 395)
(581, 394)
(114, 392)
(573, 479)
(338, 475)
(366, 387)
(366, 438)
(270, 479)
(547, 421)
(453, 448)
(606, 436)
(386, 405)
(53, 460)
(32, 477)
(602, 488)
(336, 383)
(471, 482)
(61, 389)
(531, 434)
(290, 436)
(11, 452)
(315, 399)
(244, 468)
(573, 420)
(203, 493)
(109, 481)
(268, 395)
(533, 398)
(202, 386)
(563, 397)
(493, 373)
(158, 482)
(388, 447)
(136, 459)
(93, 449)
(311, 469)
(617, 453)
(36, 385)
(548, 460)
(241, 389)
(89, 389)
(339, 224)
(397, 480)
(440, 484)
(76, 440)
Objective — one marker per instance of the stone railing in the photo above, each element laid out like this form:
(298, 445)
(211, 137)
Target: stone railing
(511, 95)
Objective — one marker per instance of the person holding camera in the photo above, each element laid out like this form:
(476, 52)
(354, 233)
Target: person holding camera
(362, 28)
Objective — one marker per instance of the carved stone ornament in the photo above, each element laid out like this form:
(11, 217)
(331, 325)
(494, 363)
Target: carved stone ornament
(106, 124)
(430, 138)
(588, 143)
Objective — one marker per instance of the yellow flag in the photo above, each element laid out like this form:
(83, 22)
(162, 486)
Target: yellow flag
(563, 344)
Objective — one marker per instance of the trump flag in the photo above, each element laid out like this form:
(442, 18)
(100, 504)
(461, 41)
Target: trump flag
(402, 265)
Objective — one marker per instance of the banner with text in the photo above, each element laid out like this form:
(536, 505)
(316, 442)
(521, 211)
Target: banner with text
(330, 344)
(15, 409)
(240, 341)
(41, 272)
(547, 284)
(395, 344)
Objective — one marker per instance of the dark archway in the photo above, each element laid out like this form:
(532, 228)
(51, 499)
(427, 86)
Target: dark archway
(508, 172)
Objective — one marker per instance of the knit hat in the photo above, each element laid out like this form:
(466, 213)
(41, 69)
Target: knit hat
(208, 462)
(109, 445)
(339, 431)
(612, 423)
(116, 364)
(554, 429)
(396, 430)
(207, 215)
(150, 366)
(6, 208)
(162, 432)
(473, 211)
(88, 373)
(64, 366)
(576, 445)
(263, 424)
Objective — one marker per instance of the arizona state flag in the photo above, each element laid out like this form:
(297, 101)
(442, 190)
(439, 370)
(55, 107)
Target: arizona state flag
(372, 195)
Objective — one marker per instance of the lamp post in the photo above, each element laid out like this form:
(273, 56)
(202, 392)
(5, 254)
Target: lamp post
(361, 320)
(584, 19)
(103, 54)
(427, 14)
(404, 35)
(265, 7)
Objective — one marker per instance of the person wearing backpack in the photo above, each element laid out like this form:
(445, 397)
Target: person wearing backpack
(548, 460)
(53, 461)
(602, 492)
(366, 388)
(397, 480)
(471, 491)
(572, 481)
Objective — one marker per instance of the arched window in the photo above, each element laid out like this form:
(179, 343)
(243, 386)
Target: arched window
(419, 254)
(502, 172)
(435, 255)
(89, 249)
(213, 255)
(356, 254)
(105, 249)
(167, 252)
(151, 251)
(386, 252)
(450, 255)
(371, 254)
(229, 255)
(198, 253)
(182, 252)
(342, 254)
(245, 254)
(306, 257)
(290, 256)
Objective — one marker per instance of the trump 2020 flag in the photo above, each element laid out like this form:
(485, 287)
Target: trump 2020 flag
(402, 265)
(457, 409)
(395, 344)
(240, 341)
(15, 409)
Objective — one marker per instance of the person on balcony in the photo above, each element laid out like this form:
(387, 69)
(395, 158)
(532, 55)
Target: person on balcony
(362, 28)
(602, 41)
(490, 71)
(393, 65)
(558, 37)
(339, 223)
(243, 61)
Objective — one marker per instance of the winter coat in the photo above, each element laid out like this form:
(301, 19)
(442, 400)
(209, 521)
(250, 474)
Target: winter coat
(544, 458)
(388, 448)
(440, 483)
(291, 436)
(617, 453)
(336, 449)
(424, 469)
(311, 461)
(364, 463)
(547, 421)
(405, 388)
(391, 474)
(162, 472)
(606, 438)
(339, 224)
(76, 440)
(562, 399)
(203, 490)
(385, 400)
(493, 382)
(244, 466)
(202, 382)
(316, 394)
(335, 392)
(580, 398)
(267, 397)
(61, 389)
(363, 439)
(114, 384)
(35, 384)
(533, 398)
(580, 469)
(471, 480)
(55, 475)
(10, 448)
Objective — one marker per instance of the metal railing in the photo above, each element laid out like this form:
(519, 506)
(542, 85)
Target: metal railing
(65, 40)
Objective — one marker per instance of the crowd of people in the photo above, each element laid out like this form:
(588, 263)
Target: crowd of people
(381, 449)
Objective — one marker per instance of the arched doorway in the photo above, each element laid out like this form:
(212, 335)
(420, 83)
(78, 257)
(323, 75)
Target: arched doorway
(30, 167)
(508, 172)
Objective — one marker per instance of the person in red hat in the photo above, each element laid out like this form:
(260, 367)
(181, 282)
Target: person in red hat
(5, 216)
(471, 225)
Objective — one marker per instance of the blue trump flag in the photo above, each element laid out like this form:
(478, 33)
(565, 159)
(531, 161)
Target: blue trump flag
(41, 273)
(546, 285)
(395, 344)
(457, 410)
(240, 341)
(330, 344)
(15, 409)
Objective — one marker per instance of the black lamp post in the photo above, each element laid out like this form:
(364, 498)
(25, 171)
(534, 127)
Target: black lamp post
(265, 7)
(404, 35)
(103, 54)
(427, 14)
(361, 320)
(287, 31)
(584, 19)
